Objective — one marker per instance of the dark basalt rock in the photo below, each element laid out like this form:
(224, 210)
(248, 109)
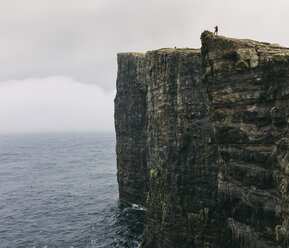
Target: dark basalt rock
(209, 135)
(252, 166)
(181, 158)
(130, 126)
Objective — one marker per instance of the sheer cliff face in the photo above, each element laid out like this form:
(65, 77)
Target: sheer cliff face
(248, 87)
(181, 158)
(130, 125)
(208, 131)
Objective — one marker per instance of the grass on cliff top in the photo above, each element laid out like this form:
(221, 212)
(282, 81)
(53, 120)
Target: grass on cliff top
(132, 53)
(162, 50)
(177, 50)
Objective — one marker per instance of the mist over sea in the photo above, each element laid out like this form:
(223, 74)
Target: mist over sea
(60, 190)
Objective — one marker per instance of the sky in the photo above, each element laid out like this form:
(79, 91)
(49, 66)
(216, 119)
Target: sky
(58, 57)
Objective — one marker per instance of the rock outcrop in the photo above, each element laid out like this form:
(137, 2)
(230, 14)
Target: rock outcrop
(202, 141)
(248, 88)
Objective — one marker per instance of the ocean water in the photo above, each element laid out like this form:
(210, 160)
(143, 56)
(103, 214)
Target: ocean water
(60, 190)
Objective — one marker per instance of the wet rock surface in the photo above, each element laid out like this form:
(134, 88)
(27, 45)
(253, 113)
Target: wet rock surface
(209, 135)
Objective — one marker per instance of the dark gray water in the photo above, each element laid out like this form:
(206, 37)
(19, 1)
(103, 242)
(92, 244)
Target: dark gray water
(60, 190)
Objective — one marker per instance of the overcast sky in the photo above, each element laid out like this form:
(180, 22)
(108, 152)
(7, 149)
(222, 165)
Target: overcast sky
(58, 57)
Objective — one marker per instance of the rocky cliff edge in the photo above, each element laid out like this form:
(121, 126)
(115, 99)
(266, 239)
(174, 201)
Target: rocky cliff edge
(202, 142)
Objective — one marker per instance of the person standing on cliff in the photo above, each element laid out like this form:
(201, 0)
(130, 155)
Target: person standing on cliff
(216, 30)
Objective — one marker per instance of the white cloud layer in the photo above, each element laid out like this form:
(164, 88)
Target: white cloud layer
(54, 104)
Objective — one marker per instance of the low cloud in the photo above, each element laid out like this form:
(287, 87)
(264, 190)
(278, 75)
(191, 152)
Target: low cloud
(54, 104)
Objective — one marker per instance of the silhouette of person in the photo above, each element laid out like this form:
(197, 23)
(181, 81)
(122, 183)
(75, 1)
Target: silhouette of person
(216, 30)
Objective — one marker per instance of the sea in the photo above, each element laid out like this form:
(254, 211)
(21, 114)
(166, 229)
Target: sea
(60, 191)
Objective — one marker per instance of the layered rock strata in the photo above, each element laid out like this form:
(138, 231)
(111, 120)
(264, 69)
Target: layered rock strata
(130, 125)
(181, 158)
(248, 88)
(209, 134)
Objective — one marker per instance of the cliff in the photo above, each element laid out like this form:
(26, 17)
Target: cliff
(183, 175)
(202, 141)
(130, 125)
(248, 90)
